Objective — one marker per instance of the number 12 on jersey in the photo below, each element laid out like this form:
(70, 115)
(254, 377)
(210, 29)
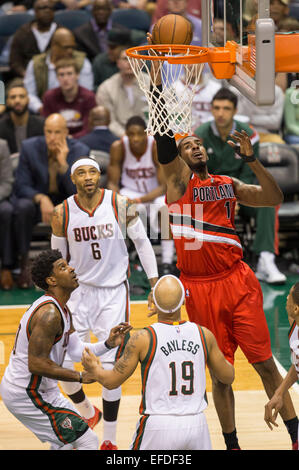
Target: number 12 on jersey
(186, 371)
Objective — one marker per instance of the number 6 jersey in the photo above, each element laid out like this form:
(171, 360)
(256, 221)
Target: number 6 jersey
(173, 371)
(97, 249)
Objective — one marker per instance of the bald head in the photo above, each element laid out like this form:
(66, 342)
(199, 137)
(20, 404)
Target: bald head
(99, 116)
(168, 294)
(61, 34)
(55, 130)
(56, 120)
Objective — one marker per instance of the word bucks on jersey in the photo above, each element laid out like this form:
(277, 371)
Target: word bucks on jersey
(97, 248)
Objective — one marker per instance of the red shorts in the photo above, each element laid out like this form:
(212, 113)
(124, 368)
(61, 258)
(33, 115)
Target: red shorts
(231, 306)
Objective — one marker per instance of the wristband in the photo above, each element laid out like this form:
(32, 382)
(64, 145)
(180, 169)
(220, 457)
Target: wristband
(246, 158)
(107, 345)
(81, 378)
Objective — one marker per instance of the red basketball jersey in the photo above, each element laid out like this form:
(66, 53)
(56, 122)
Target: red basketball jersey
(202, 224)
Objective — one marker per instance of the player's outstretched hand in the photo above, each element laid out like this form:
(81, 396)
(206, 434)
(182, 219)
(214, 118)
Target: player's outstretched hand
(90, 363)
(241, 143)
(272, 409)
(117, 334)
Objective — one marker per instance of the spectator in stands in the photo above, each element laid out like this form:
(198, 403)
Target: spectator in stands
(100, 139)
(279, 11)
(40, 73)
(201, 103)
(224, 161)
(134, 172)
(16, 6)
(267, 119)
(291, 115)
(193, 8)
(17, 123)
(91, 37)
(122, 96)
(42, 181)
(105, 64)
(218, 36)
(70, 99)
(129, 4)
(180, 7)
(32, 38)
(6, 217)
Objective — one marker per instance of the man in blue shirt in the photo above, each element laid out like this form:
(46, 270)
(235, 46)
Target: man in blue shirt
(42, 181)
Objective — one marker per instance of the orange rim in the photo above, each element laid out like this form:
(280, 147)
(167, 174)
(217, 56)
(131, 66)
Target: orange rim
(196, 54)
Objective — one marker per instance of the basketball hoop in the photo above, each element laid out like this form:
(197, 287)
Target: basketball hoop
(171, 62)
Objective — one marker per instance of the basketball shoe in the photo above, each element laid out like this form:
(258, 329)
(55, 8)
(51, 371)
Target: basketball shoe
(92, 422)
(267, 270)
(107, 445)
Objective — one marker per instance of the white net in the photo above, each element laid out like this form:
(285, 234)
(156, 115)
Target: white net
(169, 108)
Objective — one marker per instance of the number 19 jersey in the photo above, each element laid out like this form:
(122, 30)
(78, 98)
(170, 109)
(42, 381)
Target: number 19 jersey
(173, 372)
(97, 249)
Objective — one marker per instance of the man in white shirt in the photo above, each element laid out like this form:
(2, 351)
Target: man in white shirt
(121, 95)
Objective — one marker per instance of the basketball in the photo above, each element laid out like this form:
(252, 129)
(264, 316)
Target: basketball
(172, 29)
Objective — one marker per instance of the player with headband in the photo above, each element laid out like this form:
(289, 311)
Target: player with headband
(173, 354)
(223, 294)
(90, 228)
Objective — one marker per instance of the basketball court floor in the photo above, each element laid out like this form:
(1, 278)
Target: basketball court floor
(249, 394)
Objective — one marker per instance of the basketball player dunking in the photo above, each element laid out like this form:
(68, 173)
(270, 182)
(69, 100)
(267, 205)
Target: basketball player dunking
(89, 228)
(222, 292)
(173, 355)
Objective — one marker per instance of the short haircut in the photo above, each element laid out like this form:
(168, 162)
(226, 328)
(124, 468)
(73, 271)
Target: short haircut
(136, 121)
(226, 94)
(15, 83)
(295, 293)
(42, 267)
(67, 62)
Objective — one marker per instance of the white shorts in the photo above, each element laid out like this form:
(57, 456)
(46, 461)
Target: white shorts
(98, 309)
(49, 415)
(169, 432)
(150, 209)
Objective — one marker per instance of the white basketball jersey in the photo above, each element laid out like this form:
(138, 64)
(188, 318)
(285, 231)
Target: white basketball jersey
(173, 372)
(139, 174)
(97, 248)
(17, 371)
(294, 346)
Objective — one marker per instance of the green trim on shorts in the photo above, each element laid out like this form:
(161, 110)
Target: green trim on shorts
(67, 425)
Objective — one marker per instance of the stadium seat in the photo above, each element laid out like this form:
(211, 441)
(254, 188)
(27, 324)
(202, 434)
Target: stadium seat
(282, 161)
(8, 26)
(71, 19)
(132, 19)
(294, 10)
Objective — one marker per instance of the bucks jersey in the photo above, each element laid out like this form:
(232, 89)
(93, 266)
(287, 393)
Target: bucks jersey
(173, 372)
(139, 174)
(17, 372)
(97, 249)
(202, 224)
(294, 346)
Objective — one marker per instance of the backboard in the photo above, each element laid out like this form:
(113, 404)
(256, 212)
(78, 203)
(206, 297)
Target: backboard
(247, 23)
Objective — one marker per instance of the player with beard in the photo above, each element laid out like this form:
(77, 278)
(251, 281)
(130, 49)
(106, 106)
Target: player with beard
(222, 292)
(18, 124)
(90, 229)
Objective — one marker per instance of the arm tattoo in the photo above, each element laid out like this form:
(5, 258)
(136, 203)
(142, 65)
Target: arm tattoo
(130, 349)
